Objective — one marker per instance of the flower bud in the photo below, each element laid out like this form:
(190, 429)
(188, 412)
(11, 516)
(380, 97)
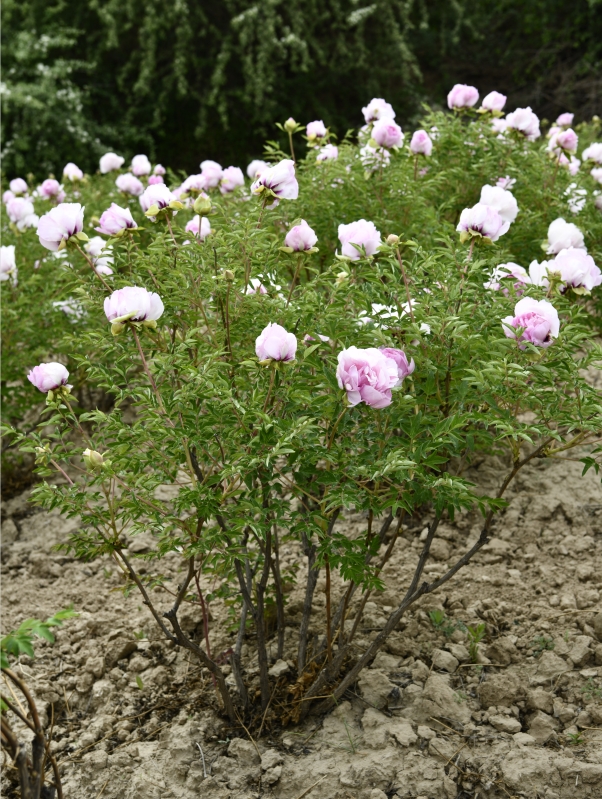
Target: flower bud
(392, 239)
(202, 205)
(228, 274)
(290, 125)
(93, 459)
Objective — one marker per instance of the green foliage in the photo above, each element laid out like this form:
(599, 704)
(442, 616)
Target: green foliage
(475, 636)
(20, 641)
(190, 80)
(542, 644)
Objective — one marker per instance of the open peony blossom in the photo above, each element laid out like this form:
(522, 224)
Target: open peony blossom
(576, 268)
(7, 196)
(376, 109)
(462, 96)
(60, 224)
(300, 238)
(109, 162)
(562, 235)
(51, 189)
(129, 184)
(140, 165)
(133, 304)
(330, 152)
(500, 126)
(565, 120)
(159, 169)
(153, 180)
(539, 320)
(404, 368)
(316, 130)
(49, 376)
(8, 265)
(481, 220)
(359, 239)
(255, 286)
(593, 153)
(567, 140)
(212, 172)
(72, 172)
(155, 198)
(421, 143)
(194, 184)
(494, 101)
(367, 375)
(503, 201)
(21, 213)
(115, 221)
(596, 173)
(255, 168)
(275, 344)
(232, 178)
(278, 181)
(506, 182)
(524, 121)
(18, 186)
(387, 133)
(102, 255)
(199, 226)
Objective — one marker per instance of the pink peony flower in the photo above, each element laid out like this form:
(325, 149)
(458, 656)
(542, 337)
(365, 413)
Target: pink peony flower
(256, 287)
(158, 195)
(524, 121)
(503, 201)
(115, 221)
(18, 186)
(212, 172)
(421, 143)
(482, 220)
(562, 235)
(232, 179)
(133, 304)
(109, 162)
(506, 272)
(539, 320)
(275, 344)
(154, 180)
(565, 120)
(199, 226)
(462, 96)
(7, 196)
(576, 268)
(593, 153)
(61, 223)
(316, 130)
(367, 375)
(278, 181)
(494, 101)
(140, 165)
(49, 376)
(21, 213)
(194, 184)
(51, 189)
(72, 172)
(387, 133)
(300, 238)
(129, 184)
(404, 368)
(596, 173)
(359, 239)
(506, 183)
(378, 109)
(567, 140)
(159, 169)
(499, 126)
(329, 152)
(8, 264)
(101, 254)
(255, 168)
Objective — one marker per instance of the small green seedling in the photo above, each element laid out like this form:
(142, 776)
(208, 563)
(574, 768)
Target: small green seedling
(575, 738)
(475, 636)
(541, 644)
(139, 682)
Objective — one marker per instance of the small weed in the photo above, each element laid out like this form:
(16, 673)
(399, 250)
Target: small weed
(541, 644)
(575, 738)
(475, 636)
(139, 682)
(139, 635)
(459, 697)
(107, 573)
(591, 691)
(441, 623)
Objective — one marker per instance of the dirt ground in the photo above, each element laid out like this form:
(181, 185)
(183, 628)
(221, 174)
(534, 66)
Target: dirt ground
(137, 719)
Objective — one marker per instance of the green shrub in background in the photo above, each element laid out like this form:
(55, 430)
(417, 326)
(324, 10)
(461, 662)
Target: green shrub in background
(194, 79)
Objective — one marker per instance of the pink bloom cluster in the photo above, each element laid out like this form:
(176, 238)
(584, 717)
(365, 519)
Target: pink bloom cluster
(387, 133)
(278, 181)
(359, 239)
(421, 143)
(133, 304)
(110, 162)
(116, 220)
(274, 343)
(462, 96)
(492, 216)
(49, 376)
(301, 238)
(376, 109)
(60, 224)
(538, 320)
(370, 375)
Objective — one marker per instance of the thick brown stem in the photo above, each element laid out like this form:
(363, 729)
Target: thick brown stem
(328, 614)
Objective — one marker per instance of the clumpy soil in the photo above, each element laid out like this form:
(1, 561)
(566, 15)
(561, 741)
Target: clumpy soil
(135, 718)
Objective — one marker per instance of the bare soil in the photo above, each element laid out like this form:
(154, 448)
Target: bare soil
(136, 719)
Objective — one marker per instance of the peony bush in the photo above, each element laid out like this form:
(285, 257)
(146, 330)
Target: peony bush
(346, 333)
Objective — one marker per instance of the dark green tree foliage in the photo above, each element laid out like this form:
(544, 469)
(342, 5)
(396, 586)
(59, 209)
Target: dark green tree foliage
(194, 79)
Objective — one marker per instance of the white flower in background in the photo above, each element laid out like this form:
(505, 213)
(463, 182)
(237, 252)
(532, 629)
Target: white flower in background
(562, 235)
(576, 198)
